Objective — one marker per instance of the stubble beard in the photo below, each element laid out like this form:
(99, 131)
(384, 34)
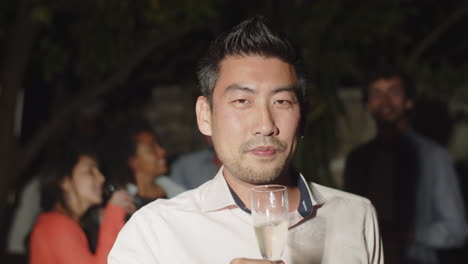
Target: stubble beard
(257, 175)
(400, 119)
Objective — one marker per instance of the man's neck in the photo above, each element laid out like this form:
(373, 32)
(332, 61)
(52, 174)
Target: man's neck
(390, 133)
(243, 189)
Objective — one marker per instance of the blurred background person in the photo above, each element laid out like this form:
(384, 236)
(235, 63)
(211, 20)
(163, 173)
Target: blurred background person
(410, 179)
(70, 185)
(135, 160)
(195, 168)
(28, 209)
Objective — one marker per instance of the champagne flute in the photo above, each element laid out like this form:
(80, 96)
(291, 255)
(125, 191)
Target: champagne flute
(270, 215)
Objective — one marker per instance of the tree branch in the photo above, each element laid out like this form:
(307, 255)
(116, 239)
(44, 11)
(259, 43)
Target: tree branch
(434, 35)
(60, 118)
(18, 49)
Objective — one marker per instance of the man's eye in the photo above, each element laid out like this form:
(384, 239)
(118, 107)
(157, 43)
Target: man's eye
(394, 92)
(240, 101)
(375, 92)
(283, 103)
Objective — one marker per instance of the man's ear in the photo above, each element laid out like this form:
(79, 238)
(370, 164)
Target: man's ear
(203, 110)
(409, 104)
(131, 162)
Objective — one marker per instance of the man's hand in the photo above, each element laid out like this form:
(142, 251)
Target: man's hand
(254, 261)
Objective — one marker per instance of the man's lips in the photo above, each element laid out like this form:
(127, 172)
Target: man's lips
(264, 151)
(386, 110)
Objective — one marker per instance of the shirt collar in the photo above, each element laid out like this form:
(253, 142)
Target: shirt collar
(306, 205)
(219, 196)
(216, 196)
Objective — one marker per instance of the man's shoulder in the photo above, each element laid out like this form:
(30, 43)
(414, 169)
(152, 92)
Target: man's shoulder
(426, 144)
(188, 201)
(364, 149)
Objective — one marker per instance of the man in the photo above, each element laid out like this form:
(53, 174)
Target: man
(253, 107)
(410, 179)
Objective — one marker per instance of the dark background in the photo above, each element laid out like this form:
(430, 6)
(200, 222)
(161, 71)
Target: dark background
(84, 64)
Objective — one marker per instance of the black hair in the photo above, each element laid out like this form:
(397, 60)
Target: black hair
(251, 37)
(119, 145)
(63, 156)
(388, 71)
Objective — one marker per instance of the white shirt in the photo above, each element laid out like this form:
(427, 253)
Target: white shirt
(205, 225)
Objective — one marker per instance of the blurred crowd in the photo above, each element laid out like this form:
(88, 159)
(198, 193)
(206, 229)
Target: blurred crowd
(88, 187)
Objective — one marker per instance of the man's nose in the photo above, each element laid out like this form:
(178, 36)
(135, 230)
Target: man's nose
(264, 123)
(160, 151)
(386, 98)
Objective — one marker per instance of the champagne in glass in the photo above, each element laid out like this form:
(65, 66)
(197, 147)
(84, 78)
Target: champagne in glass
(270, 214)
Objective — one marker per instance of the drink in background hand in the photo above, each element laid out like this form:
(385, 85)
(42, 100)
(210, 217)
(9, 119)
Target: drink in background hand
(108, 189)
(270, 215)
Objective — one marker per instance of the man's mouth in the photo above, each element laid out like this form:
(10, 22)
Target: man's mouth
(386, 112)
(264, 151)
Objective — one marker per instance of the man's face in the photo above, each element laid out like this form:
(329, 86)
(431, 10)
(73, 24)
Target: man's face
(150, 157)
(387, 101)
(254, 119)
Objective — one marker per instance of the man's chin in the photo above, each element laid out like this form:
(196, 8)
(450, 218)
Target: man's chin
(387, 120)
(257, 181)
(261, 177)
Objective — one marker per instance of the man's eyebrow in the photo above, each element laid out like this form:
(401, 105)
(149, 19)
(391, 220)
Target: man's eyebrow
(236, 87)
(291, 88)
(396, 86)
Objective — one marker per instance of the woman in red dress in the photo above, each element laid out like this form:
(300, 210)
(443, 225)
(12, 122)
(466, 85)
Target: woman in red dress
(71, 185)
